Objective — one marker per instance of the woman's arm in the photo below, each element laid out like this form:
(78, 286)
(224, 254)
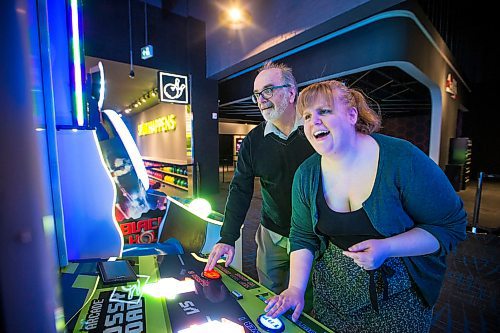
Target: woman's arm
(431, 202)
(371, 254)
(303, 245)
(293, 297)
(414, 242)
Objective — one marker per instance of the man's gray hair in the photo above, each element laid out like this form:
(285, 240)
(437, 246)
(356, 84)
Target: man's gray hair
(286, 73)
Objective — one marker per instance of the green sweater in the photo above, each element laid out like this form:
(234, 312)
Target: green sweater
(274, 161)
(410, 191)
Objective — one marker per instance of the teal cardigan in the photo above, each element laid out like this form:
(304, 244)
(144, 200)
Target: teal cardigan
(410, 191)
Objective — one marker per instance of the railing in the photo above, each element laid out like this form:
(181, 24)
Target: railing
(477, 203)
(225, 162)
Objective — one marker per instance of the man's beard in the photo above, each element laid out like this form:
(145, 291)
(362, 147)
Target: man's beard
(276, 111)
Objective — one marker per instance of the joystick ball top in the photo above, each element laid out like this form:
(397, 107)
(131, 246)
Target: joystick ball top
(200, 207)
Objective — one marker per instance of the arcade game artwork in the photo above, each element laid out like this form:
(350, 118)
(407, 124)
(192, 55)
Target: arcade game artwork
(150, 222)
(138, 210)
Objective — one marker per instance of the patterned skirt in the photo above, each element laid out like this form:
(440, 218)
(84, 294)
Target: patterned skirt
(342, 298)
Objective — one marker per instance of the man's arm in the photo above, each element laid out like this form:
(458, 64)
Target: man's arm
(239, 196)
(238, 202)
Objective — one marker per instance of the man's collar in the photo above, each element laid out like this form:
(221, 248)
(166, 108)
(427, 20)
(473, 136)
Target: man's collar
(271, 128)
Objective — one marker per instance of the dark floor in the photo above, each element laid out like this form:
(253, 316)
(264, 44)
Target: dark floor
(469, 298)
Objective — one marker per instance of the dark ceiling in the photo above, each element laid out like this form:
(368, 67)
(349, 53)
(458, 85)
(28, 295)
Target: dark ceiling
(395, 92)
(391, 90)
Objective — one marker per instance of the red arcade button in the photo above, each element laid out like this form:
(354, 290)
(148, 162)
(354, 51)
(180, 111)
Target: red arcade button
(213, 274)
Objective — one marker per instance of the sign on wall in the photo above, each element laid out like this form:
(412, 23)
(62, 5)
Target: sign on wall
(451, 86)
(173, 88)
(159, 125)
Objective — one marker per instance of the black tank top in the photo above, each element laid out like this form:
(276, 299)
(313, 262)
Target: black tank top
(343, 229)
(346, 229)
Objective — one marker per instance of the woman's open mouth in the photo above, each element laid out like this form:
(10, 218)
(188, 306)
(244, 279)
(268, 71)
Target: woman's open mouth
(320, 134)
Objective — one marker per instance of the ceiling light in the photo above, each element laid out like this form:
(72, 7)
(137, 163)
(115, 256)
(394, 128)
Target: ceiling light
(143, 99)
(235, 14)
(128, 110)
(136, 105)
(235, 18)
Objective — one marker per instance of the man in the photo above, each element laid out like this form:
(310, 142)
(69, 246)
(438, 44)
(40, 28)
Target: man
(272, 151)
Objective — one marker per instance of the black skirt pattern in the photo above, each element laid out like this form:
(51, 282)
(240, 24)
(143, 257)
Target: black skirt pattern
(342, 299)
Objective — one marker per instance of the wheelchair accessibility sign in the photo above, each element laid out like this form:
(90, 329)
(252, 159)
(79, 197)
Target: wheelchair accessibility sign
(173, 88)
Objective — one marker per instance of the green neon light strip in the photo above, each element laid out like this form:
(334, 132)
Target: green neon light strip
(77, 62)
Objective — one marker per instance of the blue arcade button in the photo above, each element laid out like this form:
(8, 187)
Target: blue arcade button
(273, 325)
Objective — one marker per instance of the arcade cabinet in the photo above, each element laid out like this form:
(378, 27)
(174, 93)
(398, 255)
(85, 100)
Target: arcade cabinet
(159, 247)
(108, 205)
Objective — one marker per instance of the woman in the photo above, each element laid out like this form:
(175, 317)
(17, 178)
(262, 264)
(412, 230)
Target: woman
(376, 213)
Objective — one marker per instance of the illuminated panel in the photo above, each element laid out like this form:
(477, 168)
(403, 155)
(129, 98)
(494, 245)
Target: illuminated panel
(189, 132)
(223, 326)
(88, 196)
(102, 88)
(169, 288)
(77, 62)
(130, 146)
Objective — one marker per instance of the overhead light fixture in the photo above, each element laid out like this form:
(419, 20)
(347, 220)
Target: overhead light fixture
(235, 14)
(148, 99)
(131, 74)
(235, 18)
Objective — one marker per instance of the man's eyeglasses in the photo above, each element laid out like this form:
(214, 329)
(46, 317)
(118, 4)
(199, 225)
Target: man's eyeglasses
(266, 93)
